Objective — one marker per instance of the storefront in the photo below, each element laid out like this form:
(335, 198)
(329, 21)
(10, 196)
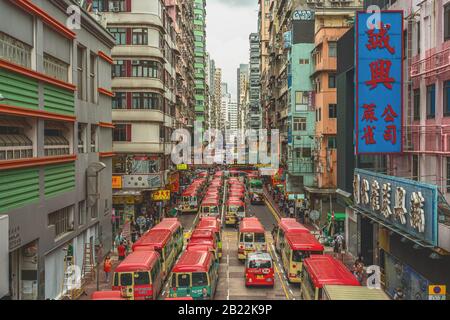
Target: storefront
(397, 229)
(23, 264)
(127, 205)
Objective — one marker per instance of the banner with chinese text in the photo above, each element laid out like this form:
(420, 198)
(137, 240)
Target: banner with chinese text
(408, 205)
(379, 78)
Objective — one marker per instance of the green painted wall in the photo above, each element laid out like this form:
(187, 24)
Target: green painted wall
(59, 100)
(59, 179)
(18, 188)
(18, 90)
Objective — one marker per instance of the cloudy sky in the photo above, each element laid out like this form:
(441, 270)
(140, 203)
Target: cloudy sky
(228, 26)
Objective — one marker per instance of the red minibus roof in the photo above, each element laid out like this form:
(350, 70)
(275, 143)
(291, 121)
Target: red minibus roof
(218, 174)
(138, 261)
(209, 223)
(200, 245)
(153, 238)
(235, 202)
(210, 202)
(203, 174)
(251, 225)
(291, 225)
(202, 234)
(303, 241)
(171, 224)
(107, 295)
(189, 193)
(193, 261)
(325, 270)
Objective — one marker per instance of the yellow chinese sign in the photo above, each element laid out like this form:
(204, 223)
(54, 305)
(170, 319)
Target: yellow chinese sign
(117, 182)
(161, 195)
(182, 166)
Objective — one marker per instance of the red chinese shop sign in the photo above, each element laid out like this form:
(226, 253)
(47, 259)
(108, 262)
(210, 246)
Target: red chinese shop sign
(379, 78)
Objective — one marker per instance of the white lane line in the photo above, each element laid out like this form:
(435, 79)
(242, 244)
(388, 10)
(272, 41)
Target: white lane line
(228, 277)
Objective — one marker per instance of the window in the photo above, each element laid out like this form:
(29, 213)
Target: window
(15, 51)
(81, 212)
(248, 237)
(332, 81)
(447, 97)
(80, 70)
(62, 220)
(56, 139)
(146, 68)
(431, 101)
(417, 104)
(332, 142)
(120, 34)
(448, 175)
(332, 111)
(299, 124)
(332, 49)
(447, 22)
(141, 278)
(93, 77)
(119, 101)
(117, 5)
(122, 132)
(418, 37)
(94, 210)
(303, 61)
(306, 152)
(82, 147)
(126, 279)
(140, 36)
(301, 97)
(14, 143)
(56, 68)
(146, 100)
(260, 237)
(119, 69)
(94, 138)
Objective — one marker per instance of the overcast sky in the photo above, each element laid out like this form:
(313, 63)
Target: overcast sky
(228, 26)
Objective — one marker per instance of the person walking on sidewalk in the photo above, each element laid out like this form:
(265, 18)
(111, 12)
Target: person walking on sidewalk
(122, 251)
(107, 266)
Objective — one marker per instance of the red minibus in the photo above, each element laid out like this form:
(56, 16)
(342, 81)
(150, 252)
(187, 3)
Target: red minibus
(139, 275)
(251, 237)
(107, 295)
(259, 269)
(320, 270)
(287, 225)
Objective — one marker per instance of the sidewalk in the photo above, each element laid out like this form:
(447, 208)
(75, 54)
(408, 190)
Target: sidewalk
(347, 258)
(91, 286)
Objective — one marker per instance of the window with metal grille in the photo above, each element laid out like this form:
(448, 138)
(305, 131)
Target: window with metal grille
(62, 220)
(56, 68)
(15, 51)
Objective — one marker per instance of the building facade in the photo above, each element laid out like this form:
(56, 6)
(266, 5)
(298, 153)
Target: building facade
(152, 73)
(201, 90)
(56, 133)
(254, 91)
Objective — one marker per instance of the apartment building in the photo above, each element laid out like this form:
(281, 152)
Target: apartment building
(55, 142)
(217, 100)
(146, 94)
(264, 19)
(201, 90)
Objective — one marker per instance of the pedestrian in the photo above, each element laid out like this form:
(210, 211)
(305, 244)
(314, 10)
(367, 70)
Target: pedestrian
(338, 245)
(399, 295)
(107, 266)
(119, 238)
(122, 249)
(291, 211)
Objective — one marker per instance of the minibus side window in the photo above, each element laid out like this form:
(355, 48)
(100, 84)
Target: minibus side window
(174, 280)
(141, 278)
(126, 279)
(116, 279)
(298, 256)
(241, 237)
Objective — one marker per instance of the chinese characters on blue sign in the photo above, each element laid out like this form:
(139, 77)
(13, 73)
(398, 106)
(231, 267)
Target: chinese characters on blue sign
(379, 75)
(408, 205)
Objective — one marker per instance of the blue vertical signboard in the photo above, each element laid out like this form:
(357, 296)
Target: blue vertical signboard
(379, 78)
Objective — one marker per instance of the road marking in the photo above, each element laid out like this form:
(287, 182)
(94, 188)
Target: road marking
(273, 253)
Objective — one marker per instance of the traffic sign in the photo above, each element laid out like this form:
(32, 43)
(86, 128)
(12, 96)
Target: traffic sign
(161, 195)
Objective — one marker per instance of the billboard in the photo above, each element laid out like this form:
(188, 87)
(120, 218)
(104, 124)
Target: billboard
(409, 206)
(379, 79)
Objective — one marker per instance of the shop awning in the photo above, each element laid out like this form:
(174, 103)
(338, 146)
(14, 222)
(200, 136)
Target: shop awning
(121, 193)
(393, 228)
(320, 191)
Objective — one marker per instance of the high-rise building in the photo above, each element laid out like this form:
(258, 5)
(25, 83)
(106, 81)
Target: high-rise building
(253, 111)
(220, 121)
(151, 97)
(232, 115)
(242, 81)
(201, 90)
(55, 142)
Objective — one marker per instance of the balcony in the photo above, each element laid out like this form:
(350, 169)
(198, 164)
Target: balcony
(141, 147)
(137, 83)
(434, 65)
(137, 51)
(149, 115)
(15, 51)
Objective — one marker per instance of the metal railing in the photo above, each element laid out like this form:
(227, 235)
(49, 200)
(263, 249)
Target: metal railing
(56, 69)
(15, 51)
(431, 65)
